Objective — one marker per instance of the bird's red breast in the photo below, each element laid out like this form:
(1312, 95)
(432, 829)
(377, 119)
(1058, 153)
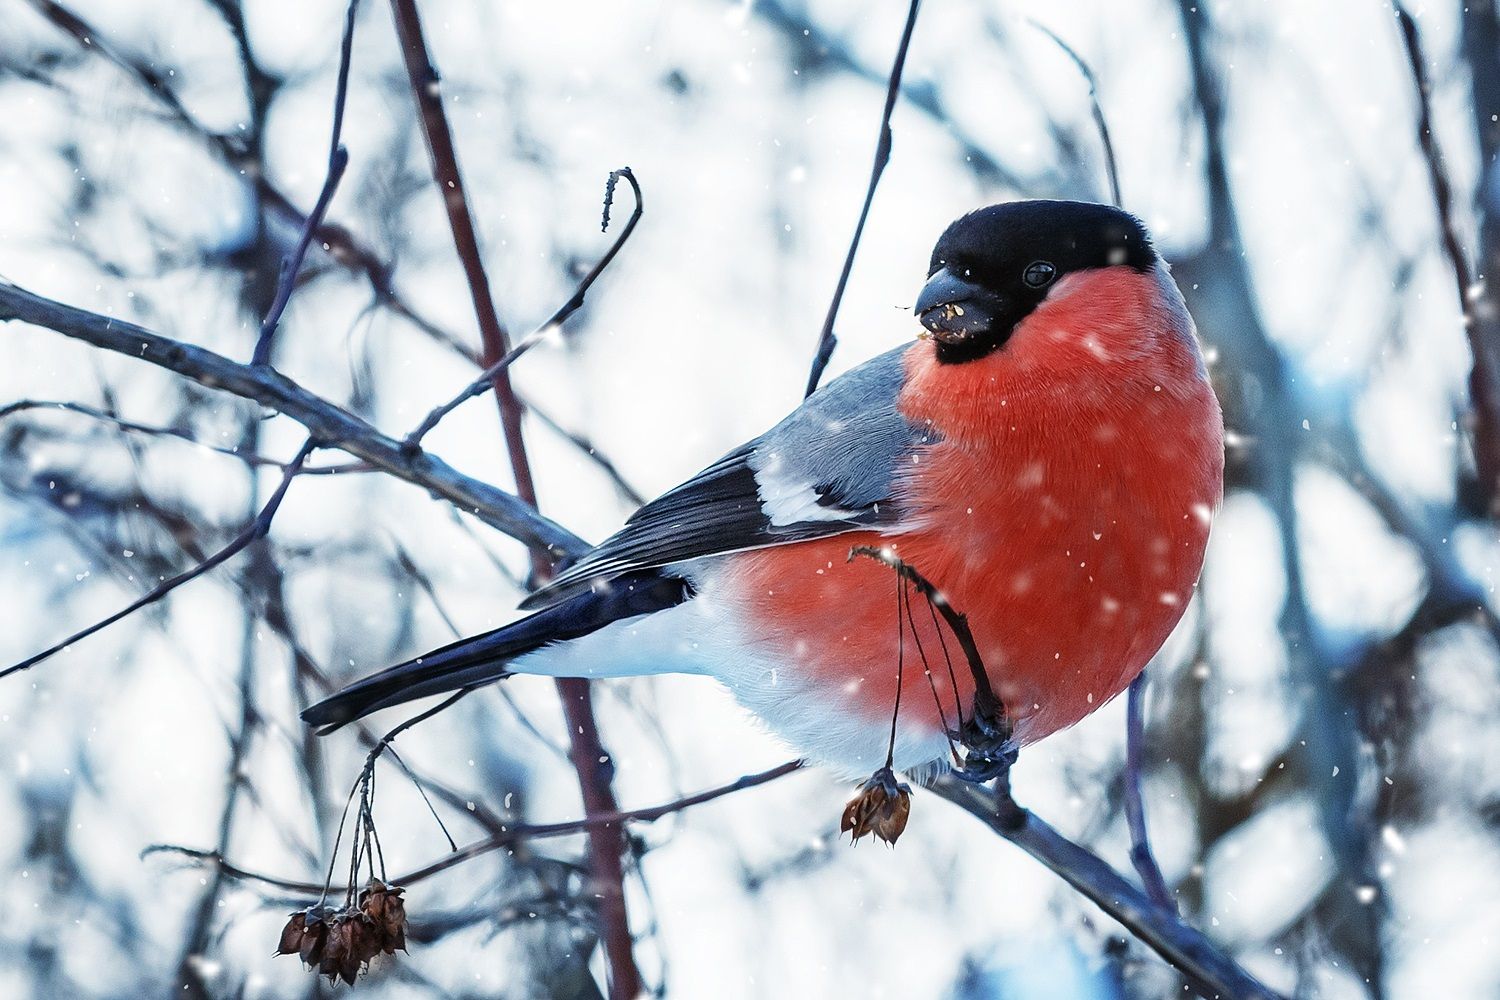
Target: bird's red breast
(1064, 509)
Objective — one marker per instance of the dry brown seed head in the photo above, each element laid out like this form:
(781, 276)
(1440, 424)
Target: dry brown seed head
(881, 807)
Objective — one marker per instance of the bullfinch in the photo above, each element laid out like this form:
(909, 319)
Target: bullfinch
(1049, 454)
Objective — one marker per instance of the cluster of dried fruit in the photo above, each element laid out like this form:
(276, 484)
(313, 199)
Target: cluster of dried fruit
(881, 807)
(339, 943)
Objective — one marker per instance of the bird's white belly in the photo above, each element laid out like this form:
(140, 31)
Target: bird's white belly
(818, 721)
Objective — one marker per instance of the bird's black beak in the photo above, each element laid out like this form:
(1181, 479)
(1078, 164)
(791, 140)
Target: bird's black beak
(955, 309)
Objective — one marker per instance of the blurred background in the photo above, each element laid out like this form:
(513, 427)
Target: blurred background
(1323, 764)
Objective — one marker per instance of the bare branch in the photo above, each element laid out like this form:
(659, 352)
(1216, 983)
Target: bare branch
(1210, 972)
(150, 430)
(338, 161)
(511, 835)
(256, 530)
(488, 377)
(1135, 803)
(1111, 169)
(427, 90)
(826, 338)
(332, 426)
(592, 764)
(1484, 376)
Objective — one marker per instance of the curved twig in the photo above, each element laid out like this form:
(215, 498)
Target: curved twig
(486, 379)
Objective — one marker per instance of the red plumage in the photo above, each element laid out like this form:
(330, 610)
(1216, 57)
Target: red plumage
(1065, 511)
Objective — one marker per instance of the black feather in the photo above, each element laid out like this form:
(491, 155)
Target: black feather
(483, 658)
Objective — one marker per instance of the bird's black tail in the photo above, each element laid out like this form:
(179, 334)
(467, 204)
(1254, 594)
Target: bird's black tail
(484, 658)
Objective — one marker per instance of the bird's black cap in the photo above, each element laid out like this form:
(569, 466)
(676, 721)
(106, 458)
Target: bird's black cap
(992, 267)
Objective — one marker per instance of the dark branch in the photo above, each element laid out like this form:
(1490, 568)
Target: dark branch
(1484, 376)
(332, 426)
(338, 161)
(511, 835)
(257, 529)
(488, 377)
(426, 89)
(1210, 972)
(592, 764)
(1135, 803)
(826, 338)
(150, 430)
(1111, 169)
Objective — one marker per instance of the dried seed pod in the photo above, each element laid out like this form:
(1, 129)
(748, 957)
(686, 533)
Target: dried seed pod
(384, 906)
(340, 944)
(291, 934)
(344, 955)
(311, 927)
(881, 808)
(365, 936)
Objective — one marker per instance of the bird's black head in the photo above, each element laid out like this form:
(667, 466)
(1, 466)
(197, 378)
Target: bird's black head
(992, 267)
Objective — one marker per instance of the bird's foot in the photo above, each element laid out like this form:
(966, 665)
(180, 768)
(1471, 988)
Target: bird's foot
(980, 768)
(989, 749)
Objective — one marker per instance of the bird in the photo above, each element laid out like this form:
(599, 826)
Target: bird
(1047, 452)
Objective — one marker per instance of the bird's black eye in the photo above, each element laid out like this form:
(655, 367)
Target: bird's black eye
(1038, 273)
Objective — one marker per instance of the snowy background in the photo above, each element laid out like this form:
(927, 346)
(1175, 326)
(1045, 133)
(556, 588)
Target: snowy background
(1324, 764)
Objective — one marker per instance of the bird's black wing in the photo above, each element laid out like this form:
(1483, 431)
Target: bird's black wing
(828, 468)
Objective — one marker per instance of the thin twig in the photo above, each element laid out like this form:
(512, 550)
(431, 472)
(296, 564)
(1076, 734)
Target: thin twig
(826, 338)
(1484, 376)
(985, 699)
(587, 447)
(1135, 804)
(338, 161)
(257, 529)
(364, 789)
(1111, 170)
(150, 430)
(512, 835)
(487, 378)
(478, 387)
(593, 766)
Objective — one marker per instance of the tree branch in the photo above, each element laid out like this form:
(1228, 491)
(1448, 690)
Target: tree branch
(593, 764)
(507, 837)
(332, 426)
(487, 378)
(1135, 803)
(1484, 344)
(826, 338)
(338, 161)
(1210, 972)
(255, 530)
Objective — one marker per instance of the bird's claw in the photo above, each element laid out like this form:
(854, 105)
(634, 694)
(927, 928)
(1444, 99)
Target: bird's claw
(980, 768)
(989, 750)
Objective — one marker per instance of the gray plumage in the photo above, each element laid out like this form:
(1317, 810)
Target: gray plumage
(828, 468)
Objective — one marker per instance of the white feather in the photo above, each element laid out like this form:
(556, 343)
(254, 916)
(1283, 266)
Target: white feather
(790, 499)
(821, 722)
